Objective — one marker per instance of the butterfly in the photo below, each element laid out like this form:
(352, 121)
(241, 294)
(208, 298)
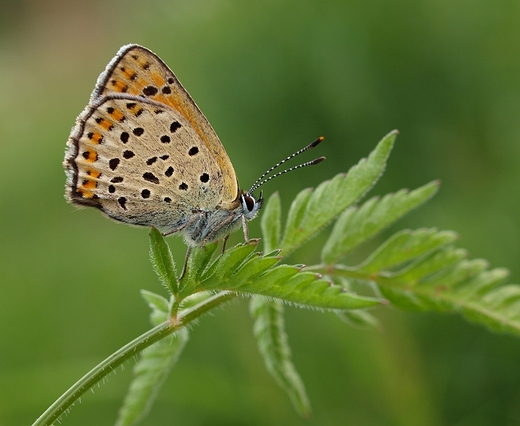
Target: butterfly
(143, 153)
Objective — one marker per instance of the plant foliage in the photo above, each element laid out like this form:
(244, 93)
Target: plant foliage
(417, 270)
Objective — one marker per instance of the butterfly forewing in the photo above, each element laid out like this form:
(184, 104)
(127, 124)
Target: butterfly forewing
(138, 72)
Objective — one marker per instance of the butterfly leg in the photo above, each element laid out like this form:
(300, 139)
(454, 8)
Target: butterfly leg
(173, 231)
(211, 236)
(246, 230)
(224, 241)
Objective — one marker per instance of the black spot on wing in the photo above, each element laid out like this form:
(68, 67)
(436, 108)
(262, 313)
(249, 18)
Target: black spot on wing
(175, 126)
(122, 202)
(113, 163)
(150, 91)
(150, 177)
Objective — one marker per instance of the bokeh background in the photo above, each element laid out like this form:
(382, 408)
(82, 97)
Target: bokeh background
(270, 76)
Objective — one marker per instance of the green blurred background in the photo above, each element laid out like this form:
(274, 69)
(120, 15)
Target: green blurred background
(270, 76)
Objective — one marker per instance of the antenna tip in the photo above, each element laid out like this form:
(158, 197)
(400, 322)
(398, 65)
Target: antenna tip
(316, 142)
(317, 160)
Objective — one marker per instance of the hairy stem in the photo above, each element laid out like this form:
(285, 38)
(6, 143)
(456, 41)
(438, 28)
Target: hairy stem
(103, 369)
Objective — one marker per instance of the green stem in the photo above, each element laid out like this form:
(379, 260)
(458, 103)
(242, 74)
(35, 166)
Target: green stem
(125, 353)
(174, 307)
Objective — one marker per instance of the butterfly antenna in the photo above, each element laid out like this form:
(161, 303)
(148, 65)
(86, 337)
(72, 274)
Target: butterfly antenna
(260, 181)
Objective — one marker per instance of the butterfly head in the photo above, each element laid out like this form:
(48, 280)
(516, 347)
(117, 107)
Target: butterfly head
(250, 205)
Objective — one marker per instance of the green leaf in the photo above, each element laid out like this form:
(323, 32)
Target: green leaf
(269, 330)
(150, 373)
(405, 246)
(483, 283)
(159, 305)
(358, 318)
(271, 223)
(241, 270)
(196, 267)
(312, 211)
(428, 265)
(195, 299)
(162, 261)
(455, 275)
(226, 265)
(294, 220)
(291, 284)
(253, 268)
(499, 310)
(435, 276)
(400, 298)
(356, 225)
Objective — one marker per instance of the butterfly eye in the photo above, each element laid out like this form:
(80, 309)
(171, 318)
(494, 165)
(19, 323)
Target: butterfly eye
(249, 201)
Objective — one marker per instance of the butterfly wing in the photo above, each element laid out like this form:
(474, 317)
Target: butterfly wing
(143, 152)
(141, 162)
(137, 71)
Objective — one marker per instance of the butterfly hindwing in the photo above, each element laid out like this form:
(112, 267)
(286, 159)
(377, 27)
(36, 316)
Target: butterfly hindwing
(160, 182)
